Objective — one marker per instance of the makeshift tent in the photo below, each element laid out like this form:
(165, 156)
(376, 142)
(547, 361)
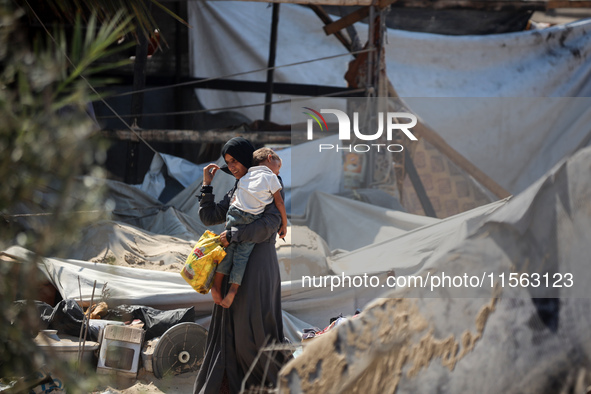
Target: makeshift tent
(521, 337)
(144, 248)
(425, 337)
(553, 62)
(349, 224)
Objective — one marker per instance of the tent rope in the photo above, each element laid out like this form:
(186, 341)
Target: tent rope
(236, 106)
(188, 83)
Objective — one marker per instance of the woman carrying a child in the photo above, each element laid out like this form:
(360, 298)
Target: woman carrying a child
(254, 317)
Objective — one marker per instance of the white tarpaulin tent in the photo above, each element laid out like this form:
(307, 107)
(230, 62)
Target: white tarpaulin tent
(434, 339)
(491, 339)
(514, 151)
(549, 222)
(344, 233)
(144, 248)
(140, 252)
(320, 173)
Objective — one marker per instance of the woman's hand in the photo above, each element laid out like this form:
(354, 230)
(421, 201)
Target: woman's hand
(224, 240)
(282, 231)
(209, 172)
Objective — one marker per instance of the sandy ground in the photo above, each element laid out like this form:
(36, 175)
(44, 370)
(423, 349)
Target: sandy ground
(148, 383)
(121, 245)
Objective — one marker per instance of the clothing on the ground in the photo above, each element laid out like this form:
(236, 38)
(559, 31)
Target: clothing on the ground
(255, 189)
(237, 254)
(254, 319)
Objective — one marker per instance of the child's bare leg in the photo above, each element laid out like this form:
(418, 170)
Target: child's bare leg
(216, 288)
(229, 298)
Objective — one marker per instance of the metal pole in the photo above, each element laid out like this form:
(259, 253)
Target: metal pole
(178, 37)
(137, 104)
(271, 63)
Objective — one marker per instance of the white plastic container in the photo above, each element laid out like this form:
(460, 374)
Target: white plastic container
(65, 347)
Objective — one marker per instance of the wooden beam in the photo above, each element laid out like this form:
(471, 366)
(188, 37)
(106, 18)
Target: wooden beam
(494, 5)
(483, 5)
(568, 4)
(439, 143)
(202, 137)
(345, 21)
(324, 17)
(452, 4)
(415, 179)
(293, 137)
(352, 18)
(435, 139)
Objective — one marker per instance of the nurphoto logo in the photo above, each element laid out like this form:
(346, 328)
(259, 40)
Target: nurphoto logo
(391, 124)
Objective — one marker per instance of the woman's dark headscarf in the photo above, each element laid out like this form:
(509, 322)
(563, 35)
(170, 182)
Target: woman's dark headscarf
(240, 149)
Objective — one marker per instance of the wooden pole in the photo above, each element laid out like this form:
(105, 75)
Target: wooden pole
(417, 184)
(347, 20)
(203, 137)
(435, 139)
(372, 73)
(324, 17)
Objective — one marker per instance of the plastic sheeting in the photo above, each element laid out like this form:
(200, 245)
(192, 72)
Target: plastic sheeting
(408, 252)
(110, 244)
(314, 172)
(165, 166)
(348, 224)
(149, 234)
(436, 341)
(141, 206)
(233, 37)
(305, 307)
(514, 151)
(548, 222)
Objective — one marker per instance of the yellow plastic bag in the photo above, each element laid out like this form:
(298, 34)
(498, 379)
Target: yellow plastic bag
(203, 261)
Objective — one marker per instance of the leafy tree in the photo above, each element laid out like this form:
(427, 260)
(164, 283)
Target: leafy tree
(50, 164)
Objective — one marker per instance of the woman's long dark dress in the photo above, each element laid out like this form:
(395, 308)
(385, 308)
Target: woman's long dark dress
(236, 334)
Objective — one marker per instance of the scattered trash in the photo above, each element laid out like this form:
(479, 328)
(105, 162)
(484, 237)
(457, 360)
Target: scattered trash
(156, 322)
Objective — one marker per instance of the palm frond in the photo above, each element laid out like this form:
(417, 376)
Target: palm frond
(106, 10)
(97, 44)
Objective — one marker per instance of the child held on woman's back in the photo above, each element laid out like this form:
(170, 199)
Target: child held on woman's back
(258, 188)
